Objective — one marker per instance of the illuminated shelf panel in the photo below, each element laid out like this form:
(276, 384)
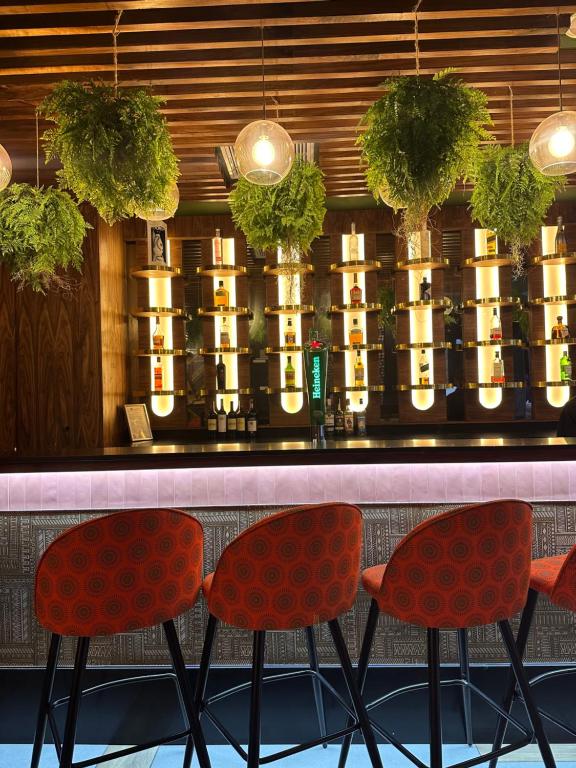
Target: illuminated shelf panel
(354, 347)
(280, 350)
(422, 304)
(493, 343)
(356, 308)
(159, 312)
(223, 351)
(435, 262)
(543, 384)
(494, 385)
(365, 388)
(289, 309)
(553, 342)
(493, 301)
(554, 259)
(356, 266)
(551, 300)
(284, 268)
(159, 393)
(161, 353)
(492, 260)
(408, 387)
(223, 311)
(423, 345)
(221, 270)
(203, 392)
(156, 271)
(282, 390)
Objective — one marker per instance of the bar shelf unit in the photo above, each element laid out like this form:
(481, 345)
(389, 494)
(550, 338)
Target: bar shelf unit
(222, 270)
(223, 311)
(159, 312)
(486, 294)
(552, 294)
(355, 266)
(420, 335)
(161, 352)
(155, 271)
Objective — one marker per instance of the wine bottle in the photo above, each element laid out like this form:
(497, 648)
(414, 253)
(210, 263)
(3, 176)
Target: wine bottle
(355, 333)
(158, 376)
(221, 295)
(329, 419)
(355, 292)
(231, 421)
(224, 334)
(289, 374)
(221, 419)
(157, 336)
(495, 325)
(289, 334)
(240, 423)
(565, 367)
(348, 420)
(358, 370)
(220, 374)
(212, 422)
(560, 244)
(560, 330)
(339, 420)
(424, 368)
(252, 421)
(217, 249)
(361, 419)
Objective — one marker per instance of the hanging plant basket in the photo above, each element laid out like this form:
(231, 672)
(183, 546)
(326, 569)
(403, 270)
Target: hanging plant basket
(511, 196)
(114, 146)
(420, 138)
(41, 234)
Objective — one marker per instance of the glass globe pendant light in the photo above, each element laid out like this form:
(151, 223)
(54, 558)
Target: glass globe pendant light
(552, 147)
(5, 168)
(264, 150)
(160, 214)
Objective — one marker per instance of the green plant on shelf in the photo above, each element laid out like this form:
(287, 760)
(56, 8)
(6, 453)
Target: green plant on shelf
(420, 137)
(114, 146)
(41, 235)
(512, 197)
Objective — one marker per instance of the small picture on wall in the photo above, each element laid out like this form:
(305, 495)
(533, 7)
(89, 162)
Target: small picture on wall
(157, 242)
(138, 422)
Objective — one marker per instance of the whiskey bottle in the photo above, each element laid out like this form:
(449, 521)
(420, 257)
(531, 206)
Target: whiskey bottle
(560, 330)
(252, 421)
(289, 374)
(224, 334)
(424, 368)
(355, 292)
(157, 336)
(560, 245)
(221, 419)
(212, 422)
(158, 377)
(497, 369)
(358, 370)
(339, 421)
(217, 249)
(221, 295)
(329, 419)
(353, 244)
(289, 334)
(361, 420)
(495, 325)
(240, 423)
(355, 333)
(220, 374)
(425, 287)
(348, 420)
(231, 421)
(565, 367)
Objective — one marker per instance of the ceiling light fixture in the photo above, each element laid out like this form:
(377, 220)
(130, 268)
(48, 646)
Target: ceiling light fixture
(553, 144)
(264, 150)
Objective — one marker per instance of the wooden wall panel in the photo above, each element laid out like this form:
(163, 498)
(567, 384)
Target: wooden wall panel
(8, 370)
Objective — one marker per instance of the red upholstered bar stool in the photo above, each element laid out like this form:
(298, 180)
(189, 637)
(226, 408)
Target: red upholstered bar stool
(465, 568)
(292, 570)
(118, 573)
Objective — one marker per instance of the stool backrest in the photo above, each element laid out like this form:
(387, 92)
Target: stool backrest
(290, 570)
(463, 568)
(129, 570)
(564, 591)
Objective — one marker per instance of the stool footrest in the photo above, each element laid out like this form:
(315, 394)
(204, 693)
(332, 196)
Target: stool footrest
(130, 750)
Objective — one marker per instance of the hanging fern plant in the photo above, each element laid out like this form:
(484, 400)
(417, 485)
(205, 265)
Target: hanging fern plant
(114, 146)
(41, 233)
(420, 138)
(511, 196)
(289, 214)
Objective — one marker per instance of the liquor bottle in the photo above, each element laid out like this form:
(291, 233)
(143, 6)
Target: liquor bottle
(560, 331)
(221, 295)
(361, 420)
(348, 420)
(491, 244)
(217, 249)
(358, 370)
(221, 419)
(424, 368)
(158, 378)
(231, 421)
(329, 419)
(224, 334)
(220, 374)
(565, 367)
(339, 421)
(355, 292)
(289, 374)
(289, 334)
(355, 333)
(495, 325)
(560, 244)
(425, 287)
(212, 422)
(497, 369)
(240, 423)
(157, 336)
(252, 421)
(353, 244)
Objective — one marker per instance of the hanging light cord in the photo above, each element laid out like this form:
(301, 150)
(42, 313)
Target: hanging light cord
(511, 115)
(262, 63)
(416, 41)
(559, 67)
(115, 33)
(37, 151)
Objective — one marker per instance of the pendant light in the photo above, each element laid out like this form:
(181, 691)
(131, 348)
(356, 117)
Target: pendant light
(161, 214)
(5, 168)
(553, 144)
(264, 150)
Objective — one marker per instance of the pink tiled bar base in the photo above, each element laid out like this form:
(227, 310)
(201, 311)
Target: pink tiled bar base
(246, 486)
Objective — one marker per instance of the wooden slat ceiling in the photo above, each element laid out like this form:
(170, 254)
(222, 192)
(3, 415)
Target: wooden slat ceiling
(325, 60)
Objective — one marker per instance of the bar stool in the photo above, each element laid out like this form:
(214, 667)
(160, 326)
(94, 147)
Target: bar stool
(118, 573)
(464, 568)
(290, 571)
(554, 577)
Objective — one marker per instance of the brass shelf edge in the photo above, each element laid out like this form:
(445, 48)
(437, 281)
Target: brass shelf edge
(366, 388)
(288, 268)
(158, 312)
(423, 345)
(421, 264)
(354, 347)
(542, 384)
(488, 260)
(552, 342)
(221, 270)
(553, 259)
(368, 265)
(219, 311)
(278, 350)
(540, 301)
(289, 309)
(409, 387)
(159, 393)
(223, 351)
(355, 308)
(161, 352)
(155, 271)
(282, 390)
(405, 306)
(218, 392)
(493, 343)
(493, 301)
(494, 385)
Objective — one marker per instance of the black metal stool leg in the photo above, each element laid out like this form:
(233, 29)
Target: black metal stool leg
(187, 693)
(524, 686)
(465, 675)
(45, 696)
(521, 641)
(82, 645)
(318, 694)
(435, 713)
(256, 699)
(371, 623)
(355, 695)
